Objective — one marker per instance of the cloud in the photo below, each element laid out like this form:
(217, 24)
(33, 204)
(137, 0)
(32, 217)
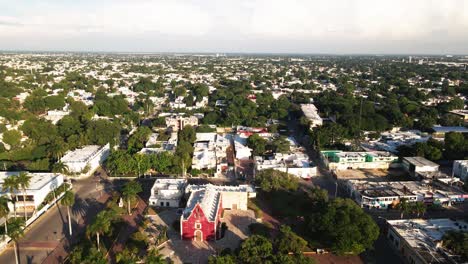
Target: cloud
(336, 26)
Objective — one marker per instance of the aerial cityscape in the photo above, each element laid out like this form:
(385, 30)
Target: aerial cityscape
(187, 145)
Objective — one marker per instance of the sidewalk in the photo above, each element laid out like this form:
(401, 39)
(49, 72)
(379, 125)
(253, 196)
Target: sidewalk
(130, 227)
(60, 253)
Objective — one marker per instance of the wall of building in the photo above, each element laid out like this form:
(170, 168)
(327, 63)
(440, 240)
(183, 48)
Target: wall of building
(230, 199)
(188, 227)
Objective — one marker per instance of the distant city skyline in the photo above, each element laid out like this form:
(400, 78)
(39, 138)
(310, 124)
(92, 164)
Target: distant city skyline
(243, 26)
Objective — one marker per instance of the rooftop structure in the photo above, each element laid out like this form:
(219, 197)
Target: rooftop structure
(210, 152)
(417, 166)
(440, 131)
(462, 113)
(372, 194)
(342, 160)
(311, 113)
(40, 185)
(419, 240)
(390, 141)
(85, 160)
(167, 192)
(177, 122)
(460, 169)
(297, 164)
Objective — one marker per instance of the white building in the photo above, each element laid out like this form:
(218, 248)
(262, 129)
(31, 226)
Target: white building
(41, 184)
(391, 140)
(297, 164)
(55, 115)
(380, 195)
(311, 113)
(210, 152)
(419, 240)
(419, 165)
(86, 160)
(177, 122)
(167, 192)
(342, 160)
(460, 169)
(240, 146)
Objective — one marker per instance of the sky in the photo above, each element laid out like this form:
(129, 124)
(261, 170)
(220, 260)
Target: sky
(250, 26)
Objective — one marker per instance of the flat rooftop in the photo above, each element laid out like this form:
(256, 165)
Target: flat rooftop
(447, 129)
(420, 161)
(38, 180)
(81, 155)
(423, 235)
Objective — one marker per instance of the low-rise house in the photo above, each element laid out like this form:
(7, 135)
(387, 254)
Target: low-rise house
(56, 115)
(420, 240)
(311, 113)
(240, 146)
(201, 219)
(337, 160)
(297, 164)
(177, 122)
(460, 169)
(418, 166)
(381, 195)
(40, 185)
(461, 113)
(391, 140)
(167, 192)
(440, 131)
(210, 152)
(86, 160)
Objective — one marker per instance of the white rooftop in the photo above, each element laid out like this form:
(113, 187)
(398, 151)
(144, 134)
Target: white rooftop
(80, 155)
(38, 180)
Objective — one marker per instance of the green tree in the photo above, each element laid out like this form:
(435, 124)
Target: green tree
(281, 145)
(11, 185)
(256, 249)
(257, 144)
(16, 231)
(100, 225)
(274, 180)
(344, 227)
(60, 167)
(68, 200)
(12, 138)
(457, 242)
(288, 241)
(4, 211)
(24, 180)
(130, 191)
(404, 207)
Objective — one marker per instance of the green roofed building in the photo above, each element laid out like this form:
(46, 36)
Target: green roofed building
(342, 160)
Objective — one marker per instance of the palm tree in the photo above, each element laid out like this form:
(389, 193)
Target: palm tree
(24, 179)
(419, 208)
(403, 206)
(68, 200)
(11, 185)
(60, 167)
(16, 232)
(100, 225)
(130, 191)
(4, 211)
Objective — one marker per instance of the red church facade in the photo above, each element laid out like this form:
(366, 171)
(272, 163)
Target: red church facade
(197, 226)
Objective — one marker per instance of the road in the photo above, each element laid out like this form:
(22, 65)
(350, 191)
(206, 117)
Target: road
(44, 235)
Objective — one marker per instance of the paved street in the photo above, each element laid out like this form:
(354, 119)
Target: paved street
(44, 235)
